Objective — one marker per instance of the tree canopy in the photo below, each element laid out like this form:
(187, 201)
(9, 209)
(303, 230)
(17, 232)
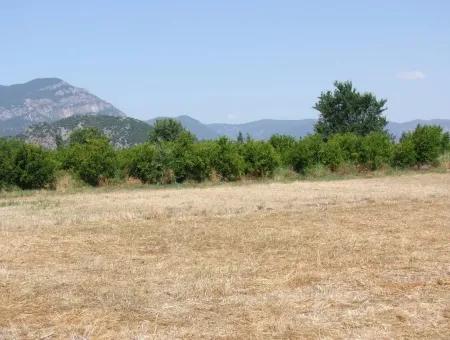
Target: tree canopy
(166, 130)
(347, 110)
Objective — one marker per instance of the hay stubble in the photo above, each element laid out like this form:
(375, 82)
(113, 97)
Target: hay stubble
(362, 258)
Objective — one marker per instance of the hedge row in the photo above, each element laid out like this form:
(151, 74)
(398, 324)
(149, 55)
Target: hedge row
(90, 157)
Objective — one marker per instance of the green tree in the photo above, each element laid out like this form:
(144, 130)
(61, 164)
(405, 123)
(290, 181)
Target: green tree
(377, 150)
(240, 138)
(346, 110)
(404, 152)
(260, 158)
(226, 159)
(350, 146)
(165, 130)
(306, 153)
(428, 143)
(34, 168)
(283, 145)
(8, 151)
(90, 156)
(85, 135)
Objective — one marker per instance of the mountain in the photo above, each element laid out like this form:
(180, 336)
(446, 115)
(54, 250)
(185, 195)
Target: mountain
(398, 128)
(46, 100)
(263, 129)
(122, 131)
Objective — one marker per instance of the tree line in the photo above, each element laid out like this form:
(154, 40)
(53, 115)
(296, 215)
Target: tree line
(349, 132)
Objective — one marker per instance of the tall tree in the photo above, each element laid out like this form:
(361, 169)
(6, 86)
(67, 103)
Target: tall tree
(346, 110)
(166, 130)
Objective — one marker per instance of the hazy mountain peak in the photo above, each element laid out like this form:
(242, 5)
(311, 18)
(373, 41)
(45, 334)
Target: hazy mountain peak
(46, 100)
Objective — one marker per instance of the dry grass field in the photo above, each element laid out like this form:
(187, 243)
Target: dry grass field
(359, 259)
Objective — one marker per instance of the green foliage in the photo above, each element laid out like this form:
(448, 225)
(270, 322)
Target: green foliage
(377, 150)
(283, 145)
(8, 151)
(139, 162)
(331, 154)
(346, 110)
(428, 143)
(190, 160)
(90, 156)
(34, 167)
(350, 145)
(306, 152)
(85, 135)
(404, 154)
(260, 158)
(165, 130)
(446, 141)
(226, 159)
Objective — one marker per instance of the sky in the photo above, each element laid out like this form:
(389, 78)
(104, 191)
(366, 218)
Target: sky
(234, 61)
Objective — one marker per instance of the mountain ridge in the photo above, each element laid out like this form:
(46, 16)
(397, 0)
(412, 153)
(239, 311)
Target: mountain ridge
(46, 100)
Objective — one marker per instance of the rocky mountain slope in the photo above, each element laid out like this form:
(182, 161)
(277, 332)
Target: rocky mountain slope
(122, 131)
(46, 100)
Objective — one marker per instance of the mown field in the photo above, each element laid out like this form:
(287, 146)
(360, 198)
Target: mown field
(359, 258)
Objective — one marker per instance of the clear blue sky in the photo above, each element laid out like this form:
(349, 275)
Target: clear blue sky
(234, 61)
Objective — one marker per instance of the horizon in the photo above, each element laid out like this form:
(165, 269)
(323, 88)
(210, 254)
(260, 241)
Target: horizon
(235, 62)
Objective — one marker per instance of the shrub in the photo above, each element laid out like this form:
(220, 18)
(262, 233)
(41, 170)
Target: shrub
(33, 167)
(283, 145)
(306, 153)
(8, 150)
(225, 159)
(194, 161)
(93, 161)
(260, 158)
(428, 143)
(140, 162)
(446, 142)
(404, 154)
(350, 145)
(331, 154)
(377, 150)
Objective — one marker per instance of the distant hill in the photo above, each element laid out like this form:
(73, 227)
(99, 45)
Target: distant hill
(122, 131)
(398, 128)
(46, 100)
(263, 129)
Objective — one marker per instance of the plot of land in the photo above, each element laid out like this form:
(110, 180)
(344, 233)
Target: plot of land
(365, 258)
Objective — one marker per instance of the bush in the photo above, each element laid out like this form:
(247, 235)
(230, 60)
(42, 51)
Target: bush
(306, 153)
(446, 142)
(404, 153)
(260, 158)
(93, 161)
(283, 145)
(350, 145)
(33, 167)
(8, 150)
(225, 159)
(377, 150)
(140, 162)
(331, 154)
(195, 162)
(428, 143)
